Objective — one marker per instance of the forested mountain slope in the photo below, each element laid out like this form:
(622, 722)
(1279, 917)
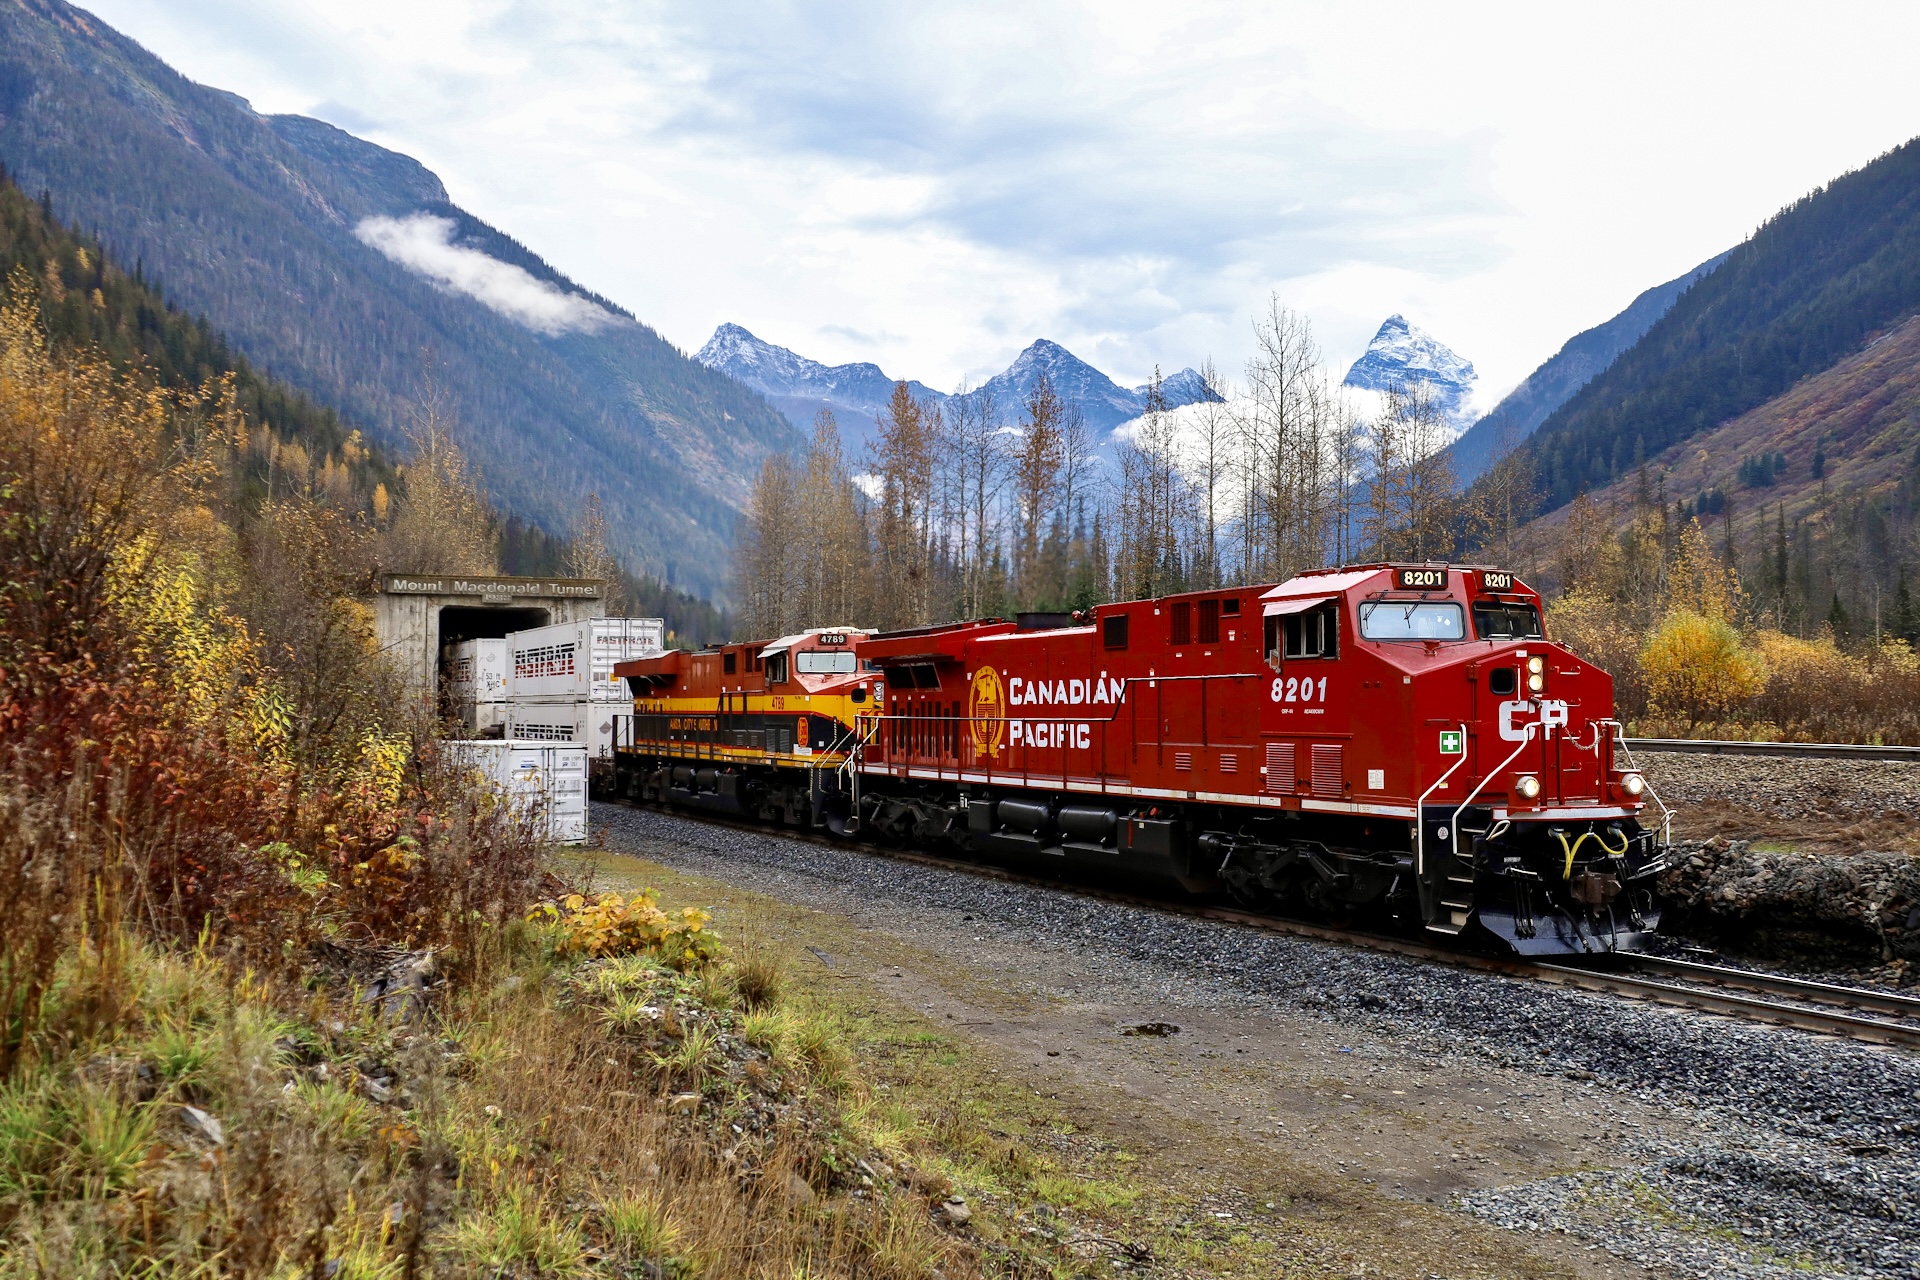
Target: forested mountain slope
(86, 301)
(1809, 288)
(1813, 496)
(257, 223)
(1582, 358)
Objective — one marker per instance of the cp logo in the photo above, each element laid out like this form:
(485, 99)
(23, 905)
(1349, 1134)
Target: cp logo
(1553, 714)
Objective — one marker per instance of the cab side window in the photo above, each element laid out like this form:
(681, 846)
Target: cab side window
(1313, 634)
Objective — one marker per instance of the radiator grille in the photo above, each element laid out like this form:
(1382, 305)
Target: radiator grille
(1328, 769)
(1183, 759)
(1279, 768)
(1229, 763)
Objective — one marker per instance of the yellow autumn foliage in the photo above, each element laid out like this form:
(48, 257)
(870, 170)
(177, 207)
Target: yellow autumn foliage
(609, 925)
(1698, 666)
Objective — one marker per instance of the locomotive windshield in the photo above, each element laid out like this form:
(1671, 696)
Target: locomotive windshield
(1493, 620)
(821, 662)
(1411, 620)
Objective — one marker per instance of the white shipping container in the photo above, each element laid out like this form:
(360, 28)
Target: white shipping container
(476, 679)
(575, 660)
(588, 723)
(485, 719)
(545, 779)
(477, 670)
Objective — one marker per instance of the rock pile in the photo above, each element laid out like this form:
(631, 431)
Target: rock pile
(1866, 905)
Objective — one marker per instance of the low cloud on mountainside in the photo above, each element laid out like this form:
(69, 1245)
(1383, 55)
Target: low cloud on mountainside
(424, 244)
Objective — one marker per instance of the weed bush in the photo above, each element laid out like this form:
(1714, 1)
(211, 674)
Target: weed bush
(610, 925)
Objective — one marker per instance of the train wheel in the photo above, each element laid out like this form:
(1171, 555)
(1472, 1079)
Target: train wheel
(1244, 883)
(1329, 907)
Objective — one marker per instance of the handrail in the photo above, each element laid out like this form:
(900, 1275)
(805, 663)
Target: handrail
(1666, 814)
(1420, 809)
(1480, 786)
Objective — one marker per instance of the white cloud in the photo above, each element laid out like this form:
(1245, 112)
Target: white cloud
(932, 187)
(423, 243)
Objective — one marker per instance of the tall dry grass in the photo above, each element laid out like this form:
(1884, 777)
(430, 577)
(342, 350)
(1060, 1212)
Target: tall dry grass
(1818, 692)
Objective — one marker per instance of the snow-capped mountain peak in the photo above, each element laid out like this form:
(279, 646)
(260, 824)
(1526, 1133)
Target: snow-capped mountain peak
(763, 365)
(1402, 353)
(800, 387)
(1102, 400)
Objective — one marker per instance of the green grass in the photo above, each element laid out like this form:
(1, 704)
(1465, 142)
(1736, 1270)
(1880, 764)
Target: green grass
(520, 1231)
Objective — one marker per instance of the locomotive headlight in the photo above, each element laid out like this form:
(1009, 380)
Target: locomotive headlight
(1536, 666)
(1536, 683)
(1633, 784)
(1527, 786)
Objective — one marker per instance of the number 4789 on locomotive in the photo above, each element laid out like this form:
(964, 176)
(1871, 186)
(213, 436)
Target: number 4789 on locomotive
(1399, 741)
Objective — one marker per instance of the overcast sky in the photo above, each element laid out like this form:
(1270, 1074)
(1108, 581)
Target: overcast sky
(933, 187)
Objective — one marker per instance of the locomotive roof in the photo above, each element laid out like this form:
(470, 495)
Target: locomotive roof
(1331, 582)
(785, 643)
(1322, 583)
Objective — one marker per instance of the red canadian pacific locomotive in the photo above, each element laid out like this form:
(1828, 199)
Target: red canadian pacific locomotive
(1381, 739)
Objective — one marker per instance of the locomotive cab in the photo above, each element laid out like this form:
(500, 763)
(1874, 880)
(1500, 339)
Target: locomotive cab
(1432, 690)
(756, 730)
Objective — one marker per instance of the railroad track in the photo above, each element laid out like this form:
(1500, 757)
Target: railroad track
(1819, 1007)
(1802, 750)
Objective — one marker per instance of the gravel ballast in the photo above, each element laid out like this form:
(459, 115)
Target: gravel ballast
(1785, 1151)
(1794, 788)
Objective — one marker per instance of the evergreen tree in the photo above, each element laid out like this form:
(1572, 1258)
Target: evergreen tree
(1905, 624)
(1780, 555)
(1837, 619)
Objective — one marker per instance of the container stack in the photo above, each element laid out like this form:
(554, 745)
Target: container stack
(562, 687)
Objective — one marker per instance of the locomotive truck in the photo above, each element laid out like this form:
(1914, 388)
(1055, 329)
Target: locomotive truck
(1382, 740)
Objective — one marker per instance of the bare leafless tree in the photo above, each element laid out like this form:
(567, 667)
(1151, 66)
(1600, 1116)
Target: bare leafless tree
(903, 461)
(1411, 497)
(1154, 506)
(832, 554)
(1037, 461)
(443, 524)
(765, 581)
(589, 556)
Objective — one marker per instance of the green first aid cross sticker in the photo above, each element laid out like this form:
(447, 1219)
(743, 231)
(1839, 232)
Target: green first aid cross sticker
(1450, 742)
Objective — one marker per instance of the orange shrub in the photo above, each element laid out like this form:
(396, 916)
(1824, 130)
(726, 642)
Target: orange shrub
(1597, 628)
(1817, 692)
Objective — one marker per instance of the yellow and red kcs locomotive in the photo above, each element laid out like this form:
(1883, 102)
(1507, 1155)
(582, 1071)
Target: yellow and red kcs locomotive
(1384, 740)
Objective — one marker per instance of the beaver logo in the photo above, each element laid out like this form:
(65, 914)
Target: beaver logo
(987, 711)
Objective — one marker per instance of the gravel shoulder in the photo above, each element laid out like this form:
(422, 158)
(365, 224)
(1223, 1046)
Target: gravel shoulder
(1834, 806)
(1594, 1136)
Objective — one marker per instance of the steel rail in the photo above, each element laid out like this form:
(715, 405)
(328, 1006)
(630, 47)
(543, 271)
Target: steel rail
(1804, 750)
(1698, 999)
(1862, 998)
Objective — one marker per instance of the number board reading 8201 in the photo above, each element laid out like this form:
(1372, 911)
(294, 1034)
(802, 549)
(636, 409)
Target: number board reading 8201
(1420, 579)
